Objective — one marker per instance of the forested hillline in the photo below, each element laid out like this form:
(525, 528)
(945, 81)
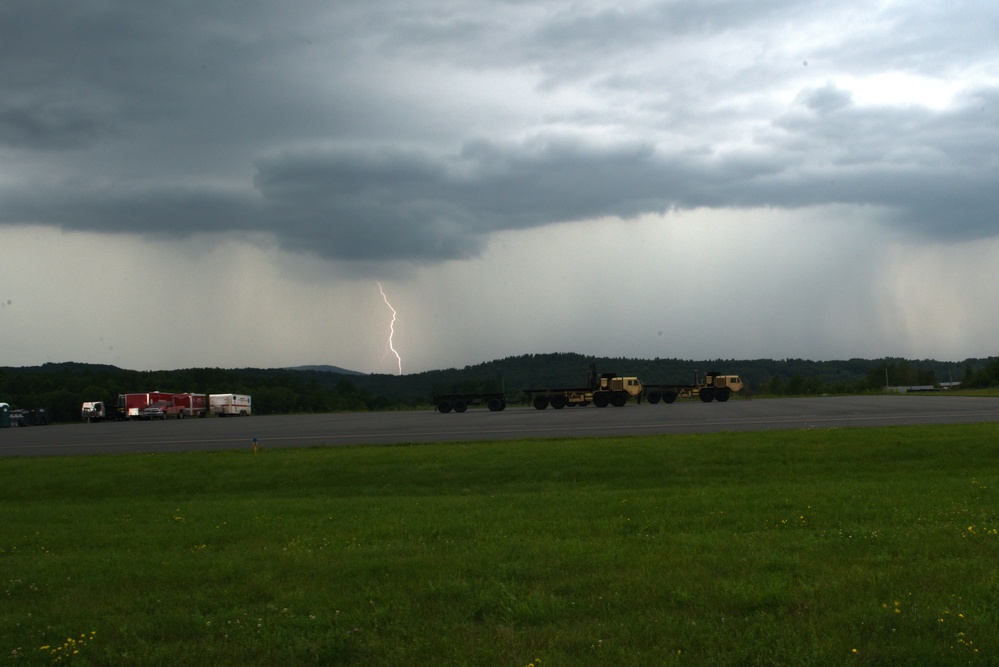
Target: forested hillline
(62, 387)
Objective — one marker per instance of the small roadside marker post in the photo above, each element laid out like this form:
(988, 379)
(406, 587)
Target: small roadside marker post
(254, 446)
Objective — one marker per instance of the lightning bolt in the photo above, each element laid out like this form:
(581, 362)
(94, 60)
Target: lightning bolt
(391, 343)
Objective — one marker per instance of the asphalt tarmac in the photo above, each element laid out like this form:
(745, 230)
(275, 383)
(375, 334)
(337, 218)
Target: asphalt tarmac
(387, 428)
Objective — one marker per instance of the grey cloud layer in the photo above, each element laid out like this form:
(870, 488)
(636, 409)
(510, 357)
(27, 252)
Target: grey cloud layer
(361, 133)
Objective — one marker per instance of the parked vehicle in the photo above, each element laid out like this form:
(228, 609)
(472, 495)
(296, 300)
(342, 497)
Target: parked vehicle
(225, 405)
(95, 411)
(601, 390)
(495, 401)
(191, 405)
(712, 387)
(131, 405)
(160, 410)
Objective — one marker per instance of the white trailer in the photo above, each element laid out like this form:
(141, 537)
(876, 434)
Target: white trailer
(224, 405)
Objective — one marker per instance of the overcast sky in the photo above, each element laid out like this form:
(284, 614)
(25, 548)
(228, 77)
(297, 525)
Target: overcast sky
(237, 183)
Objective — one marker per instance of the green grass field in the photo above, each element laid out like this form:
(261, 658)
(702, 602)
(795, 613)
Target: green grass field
(833, 547)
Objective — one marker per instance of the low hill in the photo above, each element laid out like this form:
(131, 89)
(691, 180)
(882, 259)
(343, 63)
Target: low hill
(324, 368)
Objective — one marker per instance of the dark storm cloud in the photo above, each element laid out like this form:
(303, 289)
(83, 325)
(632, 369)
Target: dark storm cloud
(52, 124)
(390, 204)
(382, 131)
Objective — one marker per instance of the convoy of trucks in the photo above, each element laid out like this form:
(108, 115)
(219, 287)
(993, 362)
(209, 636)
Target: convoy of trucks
(601, 390)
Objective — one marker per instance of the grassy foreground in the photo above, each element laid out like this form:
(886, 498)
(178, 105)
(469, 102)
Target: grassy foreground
(834, 547)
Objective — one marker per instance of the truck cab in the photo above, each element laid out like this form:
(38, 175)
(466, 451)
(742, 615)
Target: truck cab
(93, 411)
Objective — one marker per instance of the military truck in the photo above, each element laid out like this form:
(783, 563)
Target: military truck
(712, 386)
(601, 390)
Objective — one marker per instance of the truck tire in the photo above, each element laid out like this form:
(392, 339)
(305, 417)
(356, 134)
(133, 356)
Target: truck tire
(540, 402)
(722, 394)
(601, 399)
(707, 394)
(558, 402)
(460, 406)
(669, 396)
(654, 396)
(444, 407)
(618, 399)
(495, 405)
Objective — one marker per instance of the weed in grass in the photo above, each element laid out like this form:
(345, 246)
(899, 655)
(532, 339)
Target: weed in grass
(70, 649)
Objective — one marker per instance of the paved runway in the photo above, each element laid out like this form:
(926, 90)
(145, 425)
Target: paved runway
(382, 428)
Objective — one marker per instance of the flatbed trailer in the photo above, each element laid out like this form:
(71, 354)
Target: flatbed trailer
(445, 403)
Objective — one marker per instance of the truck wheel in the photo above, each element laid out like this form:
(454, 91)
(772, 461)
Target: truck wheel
(460, 406)
(540, 402)
(600, 399)
(707, 394)
(654, 397)
(618, 400)
(558, 402)
(669, 396)
(721, 395)
(444, 407)
(495, 405)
